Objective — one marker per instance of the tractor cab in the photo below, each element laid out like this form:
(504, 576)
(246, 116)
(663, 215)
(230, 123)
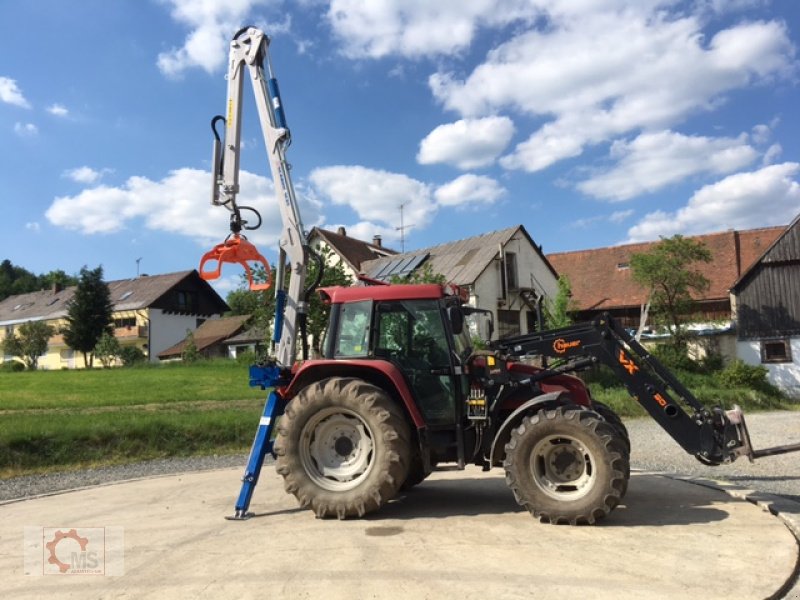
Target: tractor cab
(417, 329)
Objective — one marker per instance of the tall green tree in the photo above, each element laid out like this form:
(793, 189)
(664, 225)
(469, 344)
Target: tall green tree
(557, 310)
(31, 343)
(669, 272)
(88, 314)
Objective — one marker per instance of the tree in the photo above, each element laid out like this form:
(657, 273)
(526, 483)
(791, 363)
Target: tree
(668, 272)
(190, 353)
(259, 305)
(333, 273)
(107, 349)
(16, 280)
(31, 343)
(88, 314)
(556, 310)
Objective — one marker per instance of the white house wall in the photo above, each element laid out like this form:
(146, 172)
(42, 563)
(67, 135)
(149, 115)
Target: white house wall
(532, 272)
(784, 375)
(167, 329)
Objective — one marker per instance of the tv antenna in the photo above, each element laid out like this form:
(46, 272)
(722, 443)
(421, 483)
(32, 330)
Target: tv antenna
(402, 228)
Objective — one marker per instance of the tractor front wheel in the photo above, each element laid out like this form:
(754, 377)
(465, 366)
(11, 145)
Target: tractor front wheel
(566, 465)
(342, 447)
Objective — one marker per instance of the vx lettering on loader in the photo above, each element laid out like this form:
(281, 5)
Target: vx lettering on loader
(400, 390)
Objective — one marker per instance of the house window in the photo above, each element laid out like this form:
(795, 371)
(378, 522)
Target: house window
(776, 351)
(511, 271)
(508, 323)
(126, 323)
(187, 301)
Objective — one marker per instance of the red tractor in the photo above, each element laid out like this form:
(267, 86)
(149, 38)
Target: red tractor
(401, 389)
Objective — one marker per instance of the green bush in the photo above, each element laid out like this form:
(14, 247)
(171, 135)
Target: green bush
(740, 374)
(246, 358)
(131, 355)
(12, 366)
(675, 358)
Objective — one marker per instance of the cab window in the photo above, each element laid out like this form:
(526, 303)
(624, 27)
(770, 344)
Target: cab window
(353, 329)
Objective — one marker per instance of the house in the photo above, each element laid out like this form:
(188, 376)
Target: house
(504, 271)
(766, 300)
(209, 338)
(347, 250)
(252, 339)
(151, 312)
(601, 279)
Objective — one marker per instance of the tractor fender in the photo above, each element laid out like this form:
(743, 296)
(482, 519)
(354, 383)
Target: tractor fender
(382, 373)
(548, 400)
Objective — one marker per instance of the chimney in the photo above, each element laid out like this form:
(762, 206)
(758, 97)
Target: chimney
(56, 287)
(342, 231)
(376, 241)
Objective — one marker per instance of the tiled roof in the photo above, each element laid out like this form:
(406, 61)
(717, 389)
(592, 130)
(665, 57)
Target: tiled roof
(354, 251)
(600, 278)
(126, 294)
(209, 333)
(461, 262)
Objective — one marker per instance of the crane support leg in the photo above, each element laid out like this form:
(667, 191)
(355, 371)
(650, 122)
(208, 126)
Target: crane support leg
(262, 444)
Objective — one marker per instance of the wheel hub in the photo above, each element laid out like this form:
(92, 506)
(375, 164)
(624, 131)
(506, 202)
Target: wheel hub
(336, 449)
(344, 446)
(562, 467)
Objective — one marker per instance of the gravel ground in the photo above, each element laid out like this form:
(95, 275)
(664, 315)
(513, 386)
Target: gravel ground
(652, 450)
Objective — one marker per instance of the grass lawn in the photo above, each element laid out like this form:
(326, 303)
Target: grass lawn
(56, 420)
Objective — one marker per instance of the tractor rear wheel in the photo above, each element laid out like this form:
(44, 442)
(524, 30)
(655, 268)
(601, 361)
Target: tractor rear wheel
(566, 466)
(342, 447)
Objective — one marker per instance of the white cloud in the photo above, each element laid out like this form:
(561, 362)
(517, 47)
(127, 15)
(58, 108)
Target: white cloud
(212, 24)
(655, 160)
(467, 143)
(11, 94)
(599, 70)
(768, 196)
(59, 110)
(33, 226)
(469, 189)
(417, 28)
(772, 154)
(176, 204)
(25, 129)
(618, 216)
(83, 174)
(375, 195)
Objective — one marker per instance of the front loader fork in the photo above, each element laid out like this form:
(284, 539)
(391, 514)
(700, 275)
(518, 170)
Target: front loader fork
(262, 444)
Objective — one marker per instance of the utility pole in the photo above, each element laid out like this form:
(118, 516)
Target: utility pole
(402, 228)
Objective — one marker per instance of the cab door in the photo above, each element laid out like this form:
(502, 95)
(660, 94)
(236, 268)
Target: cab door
(413, 335)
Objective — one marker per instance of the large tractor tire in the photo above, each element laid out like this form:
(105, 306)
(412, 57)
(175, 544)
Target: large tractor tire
(342, 447)
(614, 420)
(566, 466)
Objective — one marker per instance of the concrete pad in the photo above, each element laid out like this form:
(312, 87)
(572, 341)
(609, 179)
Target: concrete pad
(459, 534)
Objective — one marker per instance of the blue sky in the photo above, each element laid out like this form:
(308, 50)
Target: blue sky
(591, 122)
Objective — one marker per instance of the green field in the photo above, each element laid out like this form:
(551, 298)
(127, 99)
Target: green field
(55, 420)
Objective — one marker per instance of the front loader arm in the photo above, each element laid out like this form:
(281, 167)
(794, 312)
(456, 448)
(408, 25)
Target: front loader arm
(713, 435)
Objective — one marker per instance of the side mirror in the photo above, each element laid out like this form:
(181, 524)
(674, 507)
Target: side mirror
(456, 319)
